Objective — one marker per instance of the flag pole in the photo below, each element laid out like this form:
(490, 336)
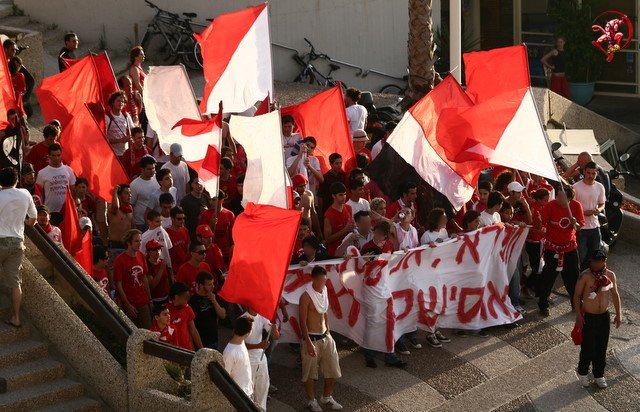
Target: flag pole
(271, 96)
(193, 93)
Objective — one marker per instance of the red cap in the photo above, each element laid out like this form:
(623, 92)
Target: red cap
(204, 231)
(299, 180)
(153, 244)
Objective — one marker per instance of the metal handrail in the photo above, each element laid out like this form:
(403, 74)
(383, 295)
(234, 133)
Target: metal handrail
(111, 319)
(80, 283)
(218, 375)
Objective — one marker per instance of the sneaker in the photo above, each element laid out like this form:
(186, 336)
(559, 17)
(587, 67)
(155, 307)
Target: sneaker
(544, 312)
(272, 388)
(402, 349)
(441, 337)
(331, 403)
(414, 343)
(398, 364)
(520, 309)
(433, 341)
(584, 380)
(601, 382)
(483, 333)
(370, 363)
(313, 405)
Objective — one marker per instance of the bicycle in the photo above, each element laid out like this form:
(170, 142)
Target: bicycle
(169, 38)
(632, 159)
(310, 74)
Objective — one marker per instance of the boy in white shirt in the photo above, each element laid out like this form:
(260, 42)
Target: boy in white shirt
(491, 216)
(236, 355)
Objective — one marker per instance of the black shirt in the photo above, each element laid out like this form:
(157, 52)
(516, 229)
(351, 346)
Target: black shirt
(206, 320)
(64, 54)
(192, 207)
(559, 62)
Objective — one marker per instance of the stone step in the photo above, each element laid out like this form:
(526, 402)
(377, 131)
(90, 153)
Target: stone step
(10, 334)
(29, 374)
(81, 404)
(38, 396)
(22, 351)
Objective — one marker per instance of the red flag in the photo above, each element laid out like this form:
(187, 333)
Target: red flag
(85, 255)
(94, 160)
(264, 236)
(70, 226)
(323, 116)
(108, 82)
(264, 107)
(63, 95)
(7, 95)
(493, 72)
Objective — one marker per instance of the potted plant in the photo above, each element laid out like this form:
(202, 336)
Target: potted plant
(584, 62)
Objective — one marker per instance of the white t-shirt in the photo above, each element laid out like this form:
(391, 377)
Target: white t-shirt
(166, 221)
(155, 197)
(291, 144)
(15, 205)
(359, 241)
(260, 323)
(431, 236)
(589, 197)
(54, 181)
(315, 163)
(238, 366)
(487, 219)
(161, 236)
(357, 117)
(118, 128)
(407, 239)
(360, 205)
(180, 175)
(142, 197)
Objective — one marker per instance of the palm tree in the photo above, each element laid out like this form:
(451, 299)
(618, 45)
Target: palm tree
(420, 49)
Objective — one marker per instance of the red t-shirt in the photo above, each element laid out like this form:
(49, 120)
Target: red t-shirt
(38, 156)
(180, 318)
(19, 84)
(162, 288)
(102, 279)
(187, 274)
(230, 187)
(387, 246)
(536, 213)
(338, 220)
(167, 335)
(180, 240)
(131, 270)
(222, 231)
(131, 163)
(556, 220)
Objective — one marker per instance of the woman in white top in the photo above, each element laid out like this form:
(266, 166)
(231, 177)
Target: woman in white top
(436, 227)
(406, 233)
(118, 123)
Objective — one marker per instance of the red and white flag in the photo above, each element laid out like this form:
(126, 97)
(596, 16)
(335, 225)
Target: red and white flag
(261, 137)
(236, 56)
(201, 143)
(449, 136)
(168, 98)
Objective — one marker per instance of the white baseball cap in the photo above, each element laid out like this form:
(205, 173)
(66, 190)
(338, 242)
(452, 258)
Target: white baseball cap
(515, 187)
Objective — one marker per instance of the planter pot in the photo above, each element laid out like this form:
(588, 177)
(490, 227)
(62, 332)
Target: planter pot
(581, 93)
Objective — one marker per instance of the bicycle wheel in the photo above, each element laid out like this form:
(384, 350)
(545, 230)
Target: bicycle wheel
(157, 50)
(187, 52)
(392, 89)
(633, 163)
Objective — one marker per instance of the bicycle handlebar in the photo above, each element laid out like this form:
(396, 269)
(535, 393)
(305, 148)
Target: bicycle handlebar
(153, 6)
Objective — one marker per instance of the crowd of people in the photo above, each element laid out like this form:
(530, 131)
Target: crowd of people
(163, 244)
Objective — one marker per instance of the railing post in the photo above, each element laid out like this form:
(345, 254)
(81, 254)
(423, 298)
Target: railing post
(204, 393)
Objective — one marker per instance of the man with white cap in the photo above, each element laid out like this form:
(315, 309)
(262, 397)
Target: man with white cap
(179, 171)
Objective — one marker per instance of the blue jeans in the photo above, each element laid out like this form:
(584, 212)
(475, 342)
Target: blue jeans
(389, 358)
(588, 242)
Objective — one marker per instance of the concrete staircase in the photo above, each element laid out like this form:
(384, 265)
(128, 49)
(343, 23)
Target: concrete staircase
(30, 379)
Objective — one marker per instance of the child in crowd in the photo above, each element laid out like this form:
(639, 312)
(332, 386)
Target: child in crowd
(99, 272)
(436, 228)
(470, 221)
(491, 216)
(167, 202)
(236, 355)
(484, 188)
(506, 215)
(380, 242)
(158, 273)
(162, 323)
(44, 221)
(182, 317)
(407, 235)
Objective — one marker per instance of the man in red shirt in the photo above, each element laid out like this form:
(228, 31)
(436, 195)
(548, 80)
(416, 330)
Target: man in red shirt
(39, 154)
(338, 220)
(213, 257)
(132, 284)
(182, 317)
(132, 156)
(220, 220)
(562, 218)
(162, 323)
(189, 270)
(179, 236)
(536, 236)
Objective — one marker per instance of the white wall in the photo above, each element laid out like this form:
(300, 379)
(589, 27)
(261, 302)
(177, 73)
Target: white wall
(368, 33)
